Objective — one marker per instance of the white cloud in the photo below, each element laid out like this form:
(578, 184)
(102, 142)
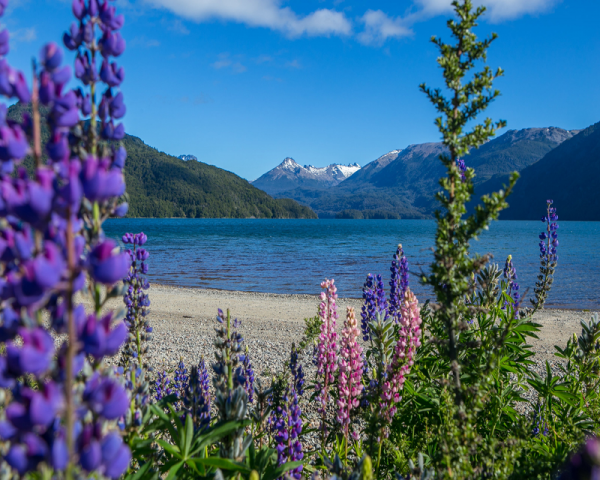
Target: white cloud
(23, 35)
(261, 13)
(226, 62)
(379, 27)
(294, 64)
(176, 26)
(497, 10)
(145, 42)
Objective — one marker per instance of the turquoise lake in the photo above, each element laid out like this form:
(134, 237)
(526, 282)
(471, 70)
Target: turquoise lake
(294, 256)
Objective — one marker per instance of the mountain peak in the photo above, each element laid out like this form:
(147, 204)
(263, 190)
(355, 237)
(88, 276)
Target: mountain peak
(289, 175)
(187, 158)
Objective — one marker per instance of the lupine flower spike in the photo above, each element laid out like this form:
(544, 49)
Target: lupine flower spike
(54, 251)
(375, 303)
(510, 274)
(462, 167)
(350, 373)
(196, 399)
(297, 372)
(287, 421)
(404, 355)
(398, 282)
(548, 257)
(326, 350)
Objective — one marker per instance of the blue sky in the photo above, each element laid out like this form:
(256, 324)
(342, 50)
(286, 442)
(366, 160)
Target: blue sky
(242, 84)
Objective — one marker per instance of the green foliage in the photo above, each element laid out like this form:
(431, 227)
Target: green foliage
(312, 329)
(367, 215)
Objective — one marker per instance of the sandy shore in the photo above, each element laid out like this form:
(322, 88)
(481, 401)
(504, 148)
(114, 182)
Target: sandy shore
(183, 320)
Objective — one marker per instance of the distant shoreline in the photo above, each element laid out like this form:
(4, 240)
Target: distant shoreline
(340, 219)
(304, 296)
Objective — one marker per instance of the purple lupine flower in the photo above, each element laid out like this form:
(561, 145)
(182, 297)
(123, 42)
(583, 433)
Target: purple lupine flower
(297, 372)
(585, 463)
(35, 408)
(180, 379)
(45, 253)
(287, 427)
(248, 373)
(375, 302)
(196, 399)
(162, 386)
(99, 181)
(398, 282)
(106, 397)
(99, 339)
(462, 167)
(28, 454)
(106, 266)
(34, 355)
(549, 238)
(115, 455)
(137, 302)
(539, 421)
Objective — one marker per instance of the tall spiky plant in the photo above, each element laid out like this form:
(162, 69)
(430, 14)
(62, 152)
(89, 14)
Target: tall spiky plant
(450, 277)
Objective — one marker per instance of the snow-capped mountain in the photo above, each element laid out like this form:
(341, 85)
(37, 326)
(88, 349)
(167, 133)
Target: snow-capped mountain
(289, 175)
(187, 158)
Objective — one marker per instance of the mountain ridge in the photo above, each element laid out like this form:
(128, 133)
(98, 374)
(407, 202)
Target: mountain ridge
(289, 174)
(403, 182)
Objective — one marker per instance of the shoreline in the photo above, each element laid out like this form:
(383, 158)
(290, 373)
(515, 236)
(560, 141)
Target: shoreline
(316, 296)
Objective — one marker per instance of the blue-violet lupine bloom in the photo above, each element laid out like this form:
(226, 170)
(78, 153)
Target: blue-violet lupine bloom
(137, 302)
(549, 238)
(375, 302)
(286, 420)
(297, 372)
(197, 397)
(585, 463)
(287, 428)
(180, 379)
(162, 386)
(462, 167)
(51, 248)
(398, 282)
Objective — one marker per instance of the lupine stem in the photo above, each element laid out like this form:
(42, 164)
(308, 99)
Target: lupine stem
(37, 136)
(228, 355)
(70, 410)
(35, 113)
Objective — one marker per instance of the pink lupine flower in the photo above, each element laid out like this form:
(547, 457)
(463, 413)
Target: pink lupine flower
(326, 354)
(351, 370)
(404, 354)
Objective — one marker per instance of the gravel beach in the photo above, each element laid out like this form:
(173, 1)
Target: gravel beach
(183, 320)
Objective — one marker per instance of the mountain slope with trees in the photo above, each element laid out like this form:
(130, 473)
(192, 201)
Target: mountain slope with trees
(569, 175)
(402, 183)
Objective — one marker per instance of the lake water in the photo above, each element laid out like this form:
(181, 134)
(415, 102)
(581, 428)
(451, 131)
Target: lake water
(294, 256)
